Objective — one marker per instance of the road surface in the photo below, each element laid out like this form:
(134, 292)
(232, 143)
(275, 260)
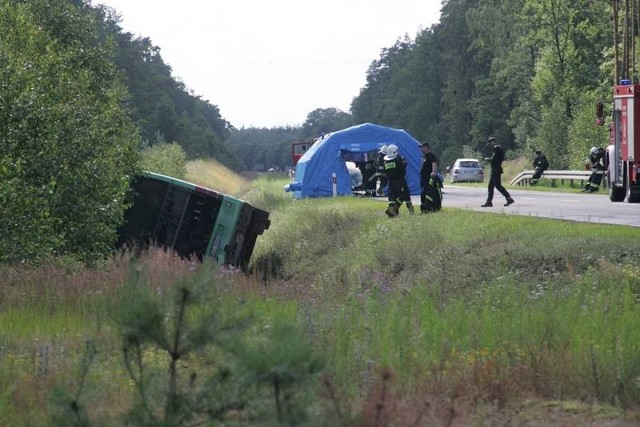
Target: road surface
(596, 208)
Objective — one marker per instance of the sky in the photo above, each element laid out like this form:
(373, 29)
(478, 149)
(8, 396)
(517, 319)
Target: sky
(269, 63)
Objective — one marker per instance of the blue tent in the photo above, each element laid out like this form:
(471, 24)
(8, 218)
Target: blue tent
(329, 154)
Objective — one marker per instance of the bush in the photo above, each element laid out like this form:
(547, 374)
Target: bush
(165, 158)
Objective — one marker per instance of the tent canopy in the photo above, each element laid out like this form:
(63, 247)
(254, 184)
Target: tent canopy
(329, 154)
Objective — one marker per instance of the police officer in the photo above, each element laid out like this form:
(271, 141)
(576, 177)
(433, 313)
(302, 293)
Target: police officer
(395, 168)
(496, 160)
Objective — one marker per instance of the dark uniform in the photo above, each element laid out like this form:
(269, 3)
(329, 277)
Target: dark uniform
(368, 170)
(541, 164)
(496, 175)
(598, 169)
(395, 168)
(380, 174)
(431, 194)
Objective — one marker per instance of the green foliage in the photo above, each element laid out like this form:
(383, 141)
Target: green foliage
(67, 147)
(322, 121)
(553, 134)
(451, 291)
(195, 356)
(282, 361)
(521, 77)
(583, 134)
(161, 104)
(168, 331)
(165, 158)
(267, 193)
(474, 305)
(260, 149)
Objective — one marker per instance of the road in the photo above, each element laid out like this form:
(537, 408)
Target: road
(596, 208)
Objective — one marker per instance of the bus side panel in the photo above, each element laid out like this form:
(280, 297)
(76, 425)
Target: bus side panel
(225, 229)
(192, 220)
(170, 216)
(197, 224)
(142, 216)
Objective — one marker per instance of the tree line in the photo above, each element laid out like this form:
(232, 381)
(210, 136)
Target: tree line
(80, 99)
(527, 71)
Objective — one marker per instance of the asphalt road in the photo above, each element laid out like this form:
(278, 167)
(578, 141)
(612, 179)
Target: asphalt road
(595, 208)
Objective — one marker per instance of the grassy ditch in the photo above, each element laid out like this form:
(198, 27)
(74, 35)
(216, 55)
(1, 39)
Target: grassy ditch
(347, 318)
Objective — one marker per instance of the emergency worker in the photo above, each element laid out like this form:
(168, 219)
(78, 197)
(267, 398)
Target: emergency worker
(380, 177)
(541, 164)
(368, 170)
(496, 160)
(395, 168)
(430, 183)
(598, 168)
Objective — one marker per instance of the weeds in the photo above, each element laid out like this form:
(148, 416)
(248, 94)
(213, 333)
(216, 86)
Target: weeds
(440, 319)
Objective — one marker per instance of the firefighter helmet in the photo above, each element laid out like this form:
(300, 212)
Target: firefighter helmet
(383, 149)
(392, 152)
(593, 150)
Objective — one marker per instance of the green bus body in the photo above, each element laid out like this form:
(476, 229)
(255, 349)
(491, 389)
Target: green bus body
(192, 220)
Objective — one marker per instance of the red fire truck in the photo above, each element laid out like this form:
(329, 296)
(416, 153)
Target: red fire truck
(298, 149)
(623, 152)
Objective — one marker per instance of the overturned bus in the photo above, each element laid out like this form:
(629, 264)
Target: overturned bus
(192, 220)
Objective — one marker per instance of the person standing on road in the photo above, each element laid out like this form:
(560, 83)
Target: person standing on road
(496, 160)
(398, 191)
(431, 194)
(541, 164)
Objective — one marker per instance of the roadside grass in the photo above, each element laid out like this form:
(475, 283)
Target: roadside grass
(448, 317)
(501, 306)
(212, 174)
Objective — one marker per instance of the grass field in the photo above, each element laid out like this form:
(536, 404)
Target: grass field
(452, 318)
(212, 174)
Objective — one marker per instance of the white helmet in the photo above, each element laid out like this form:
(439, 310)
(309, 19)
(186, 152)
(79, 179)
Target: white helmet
(392, 152)
(383, 149)
(593, 150)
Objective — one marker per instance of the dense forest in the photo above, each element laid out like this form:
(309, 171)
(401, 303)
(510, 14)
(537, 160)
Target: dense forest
(527, 71)
(81, 98)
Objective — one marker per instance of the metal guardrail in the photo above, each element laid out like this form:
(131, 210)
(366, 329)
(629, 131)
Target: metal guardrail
(524, 177)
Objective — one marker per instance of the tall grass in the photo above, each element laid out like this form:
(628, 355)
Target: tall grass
(496, 304)
(454, 306)
(212, 174)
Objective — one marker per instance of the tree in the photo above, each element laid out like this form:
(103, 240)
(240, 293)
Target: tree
(325, 120)
(67, 148)
(160, 104)
(572, 35)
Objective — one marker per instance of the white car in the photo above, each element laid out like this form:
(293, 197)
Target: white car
(466, 170)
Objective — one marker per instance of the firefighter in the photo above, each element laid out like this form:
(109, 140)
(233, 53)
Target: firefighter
(368, 170)
(431, 194)
(596, 162)
(395, 168)
(380, 176)
(541, 164)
